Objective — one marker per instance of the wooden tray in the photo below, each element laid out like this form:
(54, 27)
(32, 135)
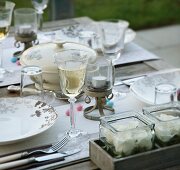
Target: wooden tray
(156, 159)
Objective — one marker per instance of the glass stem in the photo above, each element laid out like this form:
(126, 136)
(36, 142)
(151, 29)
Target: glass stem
(113, 72)
(1, 57)
(72, 112)
(40, 21)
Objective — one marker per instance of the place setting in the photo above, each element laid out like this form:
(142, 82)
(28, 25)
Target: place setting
(83, 92)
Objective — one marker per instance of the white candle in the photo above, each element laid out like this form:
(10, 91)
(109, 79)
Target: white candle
(25, 29)
(99, 81)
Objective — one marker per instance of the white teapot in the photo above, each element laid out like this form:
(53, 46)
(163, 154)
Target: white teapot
(43, 55)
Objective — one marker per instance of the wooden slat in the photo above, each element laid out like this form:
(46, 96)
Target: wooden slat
(156, 159)
(159, 64)
(88, 165)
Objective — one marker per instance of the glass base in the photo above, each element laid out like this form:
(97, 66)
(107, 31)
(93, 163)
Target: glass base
(78, 139)
(118, 95)
(76, 133)
(2, 70)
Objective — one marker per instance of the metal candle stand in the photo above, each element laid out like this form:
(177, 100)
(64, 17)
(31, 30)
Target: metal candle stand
(100, 97)
(27, 39)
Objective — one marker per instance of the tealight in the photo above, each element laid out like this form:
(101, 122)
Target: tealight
(99, 81)
(24, 29)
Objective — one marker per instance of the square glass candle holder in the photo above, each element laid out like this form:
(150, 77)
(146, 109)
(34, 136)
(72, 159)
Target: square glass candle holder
(126, 133)
(166, 118)
(98, 76)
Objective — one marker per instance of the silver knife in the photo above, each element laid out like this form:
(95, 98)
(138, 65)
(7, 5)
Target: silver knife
(129, 81)
(62, 155)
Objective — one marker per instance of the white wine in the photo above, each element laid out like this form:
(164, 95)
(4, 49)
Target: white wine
(72, 80)
(4, 29)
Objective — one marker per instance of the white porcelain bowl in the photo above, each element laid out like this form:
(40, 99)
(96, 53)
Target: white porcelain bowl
(43, 55)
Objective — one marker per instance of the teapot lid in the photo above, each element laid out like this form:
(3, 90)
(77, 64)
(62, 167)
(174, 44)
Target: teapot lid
(43, 54)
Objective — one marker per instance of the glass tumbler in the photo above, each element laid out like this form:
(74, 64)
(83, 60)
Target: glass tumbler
(88, 38)
(164, 93)
(31, 85)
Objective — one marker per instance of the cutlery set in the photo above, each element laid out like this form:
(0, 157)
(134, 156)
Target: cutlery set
(15, 160)
(60, 157)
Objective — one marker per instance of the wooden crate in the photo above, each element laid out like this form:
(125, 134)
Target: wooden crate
(156, 159)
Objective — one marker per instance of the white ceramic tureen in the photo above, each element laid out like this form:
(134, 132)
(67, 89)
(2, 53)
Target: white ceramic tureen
(43, 55)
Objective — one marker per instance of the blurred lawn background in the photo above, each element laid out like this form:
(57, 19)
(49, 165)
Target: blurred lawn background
(141, 14)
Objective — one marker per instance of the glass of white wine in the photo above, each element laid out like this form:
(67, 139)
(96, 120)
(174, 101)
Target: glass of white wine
(72, 64)
(6, 9)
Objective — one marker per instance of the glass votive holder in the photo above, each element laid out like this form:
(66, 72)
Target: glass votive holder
(91, 71)
(25, 21)
(165, 93)
(98, 76)
(31, 85)
(88, 38)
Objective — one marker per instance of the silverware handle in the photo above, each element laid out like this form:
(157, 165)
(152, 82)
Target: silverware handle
(13, 157)
(14, 164)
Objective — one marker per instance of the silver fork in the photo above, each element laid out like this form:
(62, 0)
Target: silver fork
(57, 146)
(54, 148)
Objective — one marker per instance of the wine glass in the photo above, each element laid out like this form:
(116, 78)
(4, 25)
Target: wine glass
(112, 36)
(72, 64)
(39, 6)
(6, 10)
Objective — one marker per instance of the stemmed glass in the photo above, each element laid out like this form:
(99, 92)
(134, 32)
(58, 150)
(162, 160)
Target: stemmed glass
(112, 36)
(72, 64)
(6, 10)
(39, 6)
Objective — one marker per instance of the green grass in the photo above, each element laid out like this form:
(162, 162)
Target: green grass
(28, 4)
(140, 13)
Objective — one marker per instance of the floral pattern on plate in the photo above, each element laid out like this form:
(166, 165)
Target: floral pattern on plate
(22, 118)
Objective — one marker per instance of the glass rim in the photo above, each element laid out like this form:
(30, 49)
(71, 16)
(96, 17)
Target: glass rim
(9, 2)
(25, 11)
(172, 88)
(111, 20)
(31, 66)
(152, 110)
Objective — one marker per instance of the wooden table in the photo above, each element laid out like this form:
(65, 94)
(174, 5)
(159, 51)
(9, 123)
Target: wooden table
(122, 70)
(148, 66)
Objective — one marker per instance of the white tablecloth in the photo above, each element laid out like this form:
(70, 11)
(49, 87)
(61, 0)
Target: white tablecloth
(63, 124)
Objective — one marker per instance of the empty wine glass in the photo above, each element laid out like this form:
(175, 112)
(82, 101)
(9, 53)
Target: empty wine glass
(39, 6)
(6, 10)
(112, 36)
(72, 64)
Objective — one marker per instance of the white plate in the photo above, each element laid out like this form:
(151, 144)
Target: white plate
(71, 34)
(144, 89)
(24, 118)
